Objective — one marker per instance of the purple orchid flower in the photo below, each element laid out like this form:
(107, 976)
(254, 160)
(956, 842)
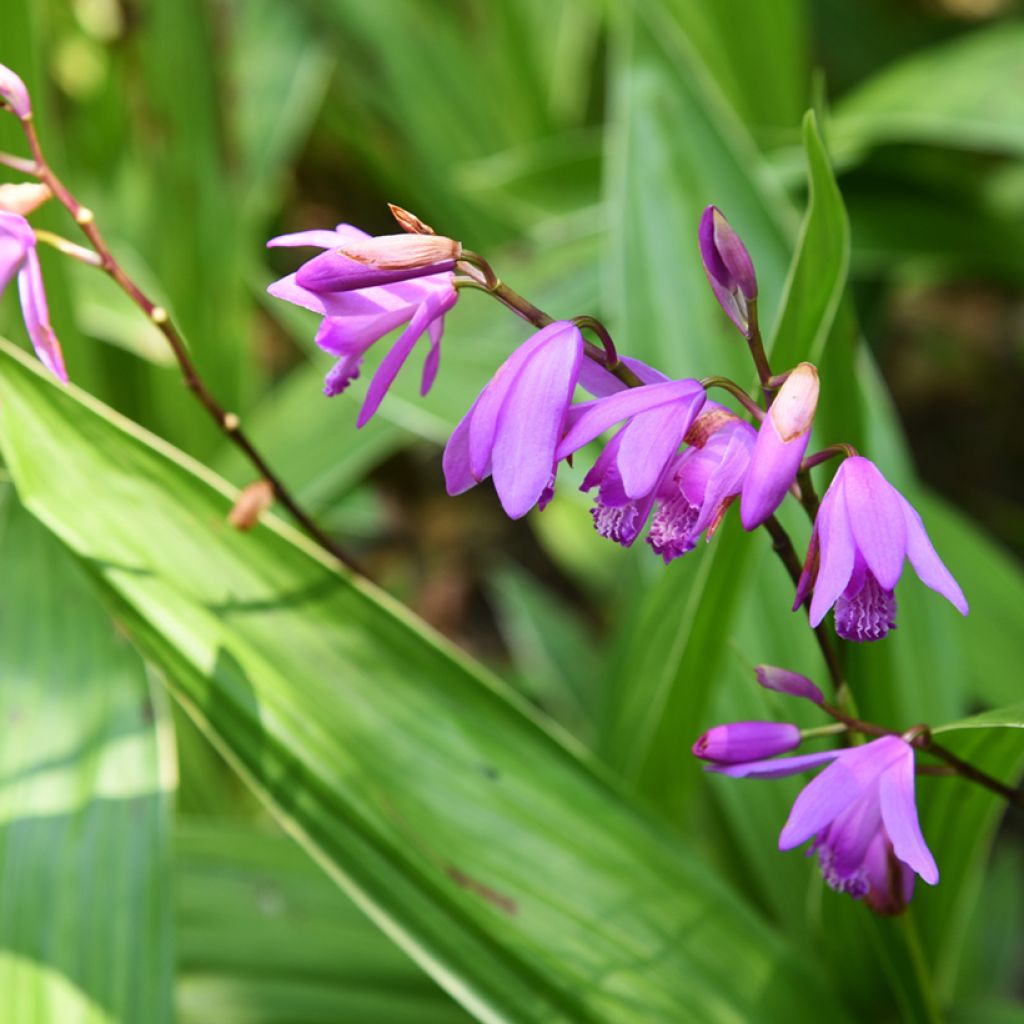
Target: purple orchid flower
(354, 320)
(728, 266)
(636, 463)
(14, 93)
(863, 532)
(704, 481)
(18, 257)
(861, 814)
(512, 430)
(781, 444)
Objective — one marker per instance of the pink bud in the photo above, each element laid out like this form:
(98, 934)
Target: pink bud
(23, 198)
(728, 266)
(746, 741)
(402, 252)
(14, 93)
(791, 683)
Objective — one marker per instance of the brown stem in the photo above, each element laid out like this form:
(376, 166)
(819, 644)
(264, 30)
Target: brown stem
(226, 421)
(756, 346)
(832, 451)
(737, 392)
(968, 771)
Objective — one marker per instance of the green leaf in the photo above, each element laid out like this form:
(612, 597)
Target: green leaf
(998, 718)
(265, 937)
(817, 274)
(499, 858)
(86, 771)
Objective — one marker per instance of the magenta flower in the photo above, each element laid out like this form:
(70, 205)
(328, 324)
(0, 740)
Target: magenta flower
(728, 266)
(781, 444)
(861, 814)
(14, 93)
(355, 319)
(512, 430)
(637, 462)
(792, 684)
(864, 530)
(18, 257)
(746, 741)
(701, 487)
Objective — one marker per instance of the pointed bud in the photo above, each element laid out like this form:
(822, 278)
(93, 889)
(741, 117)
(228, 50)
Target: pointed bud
(728, 266)
(746, 741)
(780, 446)
(23, 198)
(403, 252)
(791, 683)
(14, 93)
(409, 222)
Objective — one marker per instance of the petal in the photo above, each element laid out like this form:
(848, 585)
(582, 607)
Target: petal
(458, 476)
(649, 441)
(823, 799)
(318, 239)
(601, 383)
(532, 419)
(927, 564)
(726, 479)
(790, 683)
(287, 288)
(899, 812)
(433, 359)
(776, 767)
(590, 419)
(836, 552)
(876, 519)
(333, 272)
(387, 371)
(37, 317)
(605, 463)
(773, 468)
(15, 242)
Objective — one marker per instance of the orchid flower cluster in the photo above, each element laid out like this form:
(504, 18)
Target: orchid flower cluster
(675, 464)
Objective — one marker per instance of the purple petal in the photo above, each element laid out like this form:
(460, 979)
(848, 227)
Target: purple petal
(590, 419)
(746, 741)
(16, 240)
(836, 552)
(37, 316)
(827, 796)
(776, 767)
(927, 564)
(341, 374)
(649, 441)
(332, 272)
(532, 419)
(876, 519)
(773, 468)
(601, 383)
(791, 683)
(433, 359)
(899, 812)
(458, 475)
(726, 479)
(387, 371)
(317, 239)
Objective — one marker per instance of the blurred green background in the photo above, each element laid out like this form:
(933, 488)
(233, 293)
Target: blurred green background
(574, 142)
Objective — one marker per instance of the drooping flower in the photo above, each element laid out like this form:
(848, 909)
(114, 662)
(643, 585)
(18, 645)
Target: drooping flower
(14, 93)
(728, 266)
(704, 481)
(863, 532)
(792, 684)
(18, 257)
(355, 319)
(746, 741)
(512, 430)
(781, 444)
(635, 464)
(861, 814)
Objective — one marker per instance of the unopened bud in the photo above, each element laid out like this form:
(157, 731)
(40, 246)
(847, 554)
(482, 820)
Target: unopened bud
(728, 266)
(746, 741)
(791, 683)
(410, 222)
(14, 93)
(23, 198)
(402, 252)
(254, 500)
(793, 410)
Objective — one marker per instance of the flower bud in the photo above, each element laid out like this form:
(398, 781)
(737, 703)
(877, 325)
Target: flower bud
(14, 93)
(791, 683)
(24, 197)
(728, 266)
(746, 741)
(402, 252)
(780, 447)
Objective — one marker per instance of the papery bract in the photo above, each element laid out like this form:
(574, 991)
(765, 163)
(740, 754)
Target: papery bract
(18, 257)
(863, 532)
(512, 430)
(354, 320)
(857, 810)
(781, 444)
